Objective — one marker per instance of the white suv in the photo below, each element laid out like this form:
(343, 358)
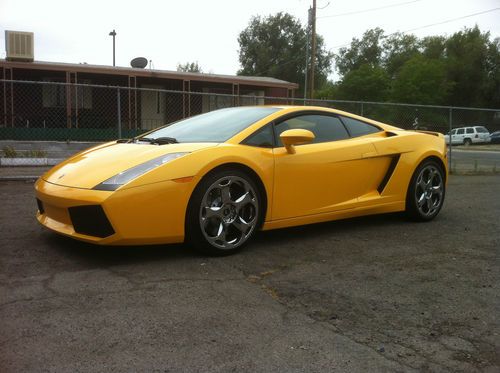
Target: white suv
(468, 135)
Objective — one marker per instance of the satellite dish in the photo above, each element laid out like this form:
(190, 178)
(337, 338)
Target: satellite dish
(139, 62)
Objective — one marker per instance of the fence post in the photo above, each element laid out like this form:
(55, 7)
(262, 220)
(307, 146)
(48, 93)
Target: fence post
(362, 111)
(450, 120)
(119, 112)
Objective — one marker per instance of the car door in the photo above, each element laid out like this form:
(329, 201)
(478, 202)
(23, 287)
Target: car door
(326, 175)
(452, 136)
(470, 134)
(459, 137)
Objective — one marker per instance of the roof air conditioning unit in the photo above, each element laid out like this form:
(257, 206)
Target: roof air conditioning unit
(19, 45)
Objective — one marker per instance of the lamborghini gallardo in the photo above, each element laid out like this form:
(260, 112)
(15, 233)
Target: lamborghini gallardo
(215, 179)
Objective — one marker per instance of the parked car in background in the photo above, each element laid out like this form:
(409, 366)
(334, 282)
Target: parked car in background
(495, 137)
(468, 136)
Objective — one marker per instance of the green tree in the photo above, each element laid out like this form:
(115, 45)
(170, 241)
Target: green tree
(491, 88)
(468, 54)
(367, 51)
(397, 49)
(275, 46)
(434, 47)
(367, 83)
(189, 67)
(421, 81)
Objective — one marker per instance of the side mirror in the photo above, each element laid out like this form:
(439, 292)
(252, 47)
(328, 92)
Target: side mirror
(289, 138)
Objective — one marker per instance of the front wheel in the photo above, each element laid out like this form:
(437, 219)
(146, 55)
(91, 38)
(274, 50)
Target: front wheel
(223, 213)
(426, 191)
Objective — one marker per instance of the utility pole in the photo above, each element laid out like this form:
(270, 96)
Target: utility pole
(309, 21)
(113, 34)
(313, 48)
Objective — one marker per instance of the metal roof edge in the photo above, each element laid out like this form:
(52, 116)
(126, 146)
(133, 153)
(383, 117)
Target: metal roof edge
(167, 74)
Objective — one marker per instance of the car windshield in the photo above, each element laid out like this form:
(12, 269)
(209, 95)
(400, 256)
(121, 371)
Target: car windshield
(215, 126)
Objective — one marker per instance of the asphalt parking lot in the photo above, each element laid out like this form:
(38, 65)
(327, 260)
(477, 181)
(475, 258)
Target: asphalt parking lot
(376, 294)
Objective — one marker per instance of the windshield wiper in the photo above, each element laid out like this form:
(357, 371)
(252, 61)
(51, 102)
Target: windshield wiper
(159, 140)
(164, 140)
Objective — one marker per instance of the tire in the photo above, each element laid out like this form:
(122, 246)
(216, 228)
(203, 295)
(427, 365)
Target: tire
(426, 191)
(467, 142)
(223, 213)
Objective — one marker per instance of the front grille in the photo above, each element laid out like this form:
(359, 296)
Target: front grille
(90, 220)
(40, 206)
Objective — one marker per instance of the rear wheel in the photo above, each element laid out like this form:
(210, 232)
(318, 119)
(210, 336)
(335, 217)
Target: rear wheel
(426, 192)
(223, 213)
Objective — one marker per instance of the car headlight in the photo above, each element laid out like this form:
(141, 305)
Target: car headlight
(124, 177)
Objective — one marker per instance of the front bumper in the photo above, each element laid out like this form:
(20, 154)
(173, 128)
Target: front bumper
(148, 214)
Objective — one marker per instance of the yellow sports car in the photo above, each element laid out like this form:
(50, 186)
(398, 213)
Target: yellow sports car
(213, 180)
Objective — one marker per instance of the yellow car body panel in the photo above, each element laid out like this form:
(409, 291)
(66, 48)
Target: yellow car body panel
(319, 182)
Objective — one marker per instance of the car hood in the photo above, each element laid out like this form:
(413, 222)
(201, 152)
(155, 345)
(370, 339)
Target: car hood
(95, 165)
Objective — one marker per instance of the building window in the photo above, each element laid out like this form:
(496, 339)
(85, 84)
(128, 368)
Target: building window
(214, 101)
(54, 95)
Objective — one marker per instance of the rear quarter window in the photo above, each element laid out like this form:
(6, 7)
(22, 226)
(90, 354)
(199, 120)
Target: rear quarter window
(358, 128)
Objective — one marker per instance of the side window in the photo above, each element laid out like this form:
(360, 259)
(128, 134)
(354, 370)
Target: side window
(262, 138)
(460, 131)
(325, 128)
(454, 132)
(469, 130)
(358, 128)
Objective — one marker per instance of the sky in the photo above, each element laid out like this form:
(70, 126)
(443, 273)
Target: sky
(170, 32)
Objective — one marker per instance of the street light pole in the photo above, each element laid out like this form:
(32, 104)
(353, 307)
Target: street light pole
(113, 34)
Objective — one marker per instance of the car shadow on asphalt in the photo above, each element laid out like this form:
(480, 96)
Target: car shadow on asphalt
(325, 229)
(112, 255)
(96, 255)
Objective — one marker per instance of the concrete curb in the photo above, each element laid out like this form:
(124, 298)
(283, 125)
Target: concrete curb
(19, 178)
(477, 148)
(13, 162)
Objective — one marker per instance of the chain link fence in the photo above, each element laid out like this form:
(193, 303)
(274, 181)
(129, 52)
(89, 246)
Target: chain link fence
(37, 111)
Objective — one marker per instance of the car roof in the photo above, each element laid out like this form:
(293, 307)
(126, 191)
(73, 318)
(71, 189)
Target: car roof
(459, 128)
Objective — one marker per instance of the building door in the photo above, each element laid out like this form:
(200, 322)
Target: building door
(153, 107)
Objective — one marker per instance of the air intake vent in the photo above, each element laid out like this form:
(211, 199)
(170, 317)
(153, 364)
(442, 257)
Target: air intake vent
(19, 46)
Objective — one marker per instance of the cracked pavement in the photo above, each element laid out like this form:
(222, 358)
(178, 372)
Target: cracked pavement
(377, 294)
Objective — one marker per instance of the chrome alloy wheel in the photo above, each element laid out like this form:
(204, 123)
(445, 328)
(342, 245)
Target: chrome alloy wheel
(429, 190)
(228, 212)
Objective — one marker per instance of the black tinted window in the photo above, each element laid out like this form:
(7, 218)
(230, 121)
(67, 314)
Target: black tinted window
(262, 137)
(325, 128)
(469, 130)
(460, 131)
(358, 128)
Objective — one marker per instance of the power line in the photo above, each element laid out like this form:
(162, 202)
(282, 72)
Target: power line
(369, 10)
(448, 20)
(429, 25)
